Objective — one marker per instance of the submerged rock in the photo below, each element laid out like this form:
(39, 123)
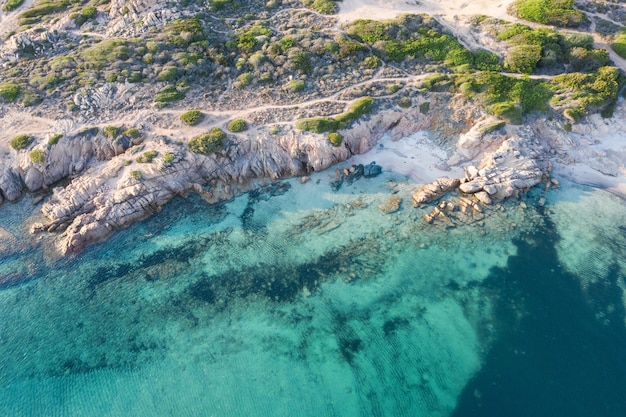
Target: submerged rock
(391, 205)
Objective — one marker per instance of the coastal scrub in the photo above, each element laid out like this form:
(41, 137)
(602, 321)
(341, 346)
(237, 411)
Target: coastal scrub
(208, 143)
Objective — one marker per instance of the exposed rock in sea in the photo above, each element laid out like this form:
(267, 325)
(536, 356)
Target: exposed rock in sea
(434, 190)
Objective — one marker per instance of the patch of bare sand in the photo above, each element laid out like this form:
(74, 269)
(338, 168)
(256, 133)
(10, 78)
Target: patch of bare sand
(350, 10)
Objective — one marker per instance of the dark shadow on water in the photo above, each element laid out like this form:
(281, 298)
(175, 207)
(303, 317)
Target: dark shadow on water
(555, 356)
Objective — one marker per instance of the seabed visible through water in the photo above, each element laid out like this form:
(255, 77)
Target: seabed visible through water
(302, 301)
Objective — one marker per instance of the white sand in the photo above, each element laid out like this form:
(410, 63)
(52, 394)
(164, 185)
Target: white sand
(388, 9)
(415, 156)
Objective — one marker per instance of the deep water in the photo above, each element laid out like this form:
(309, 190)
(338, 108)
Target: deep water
(301, 300)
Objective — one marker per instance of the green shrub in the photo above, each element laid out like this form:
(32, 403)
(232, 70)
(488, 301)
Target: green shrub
(358, 108)
(492, 127)
(237, 125)
(317, 124)
(301, 61)
(110, 132)
(208, 143)
(296, 86)
(619, 44)
(20, 142)
(54, 139)
(405, 102)
(132, 133)
(425, 107)
(147, 157)
(508, 111)
(9, 92)
(191, 117)
(169, 73)
(335, 138)
(168, 158)
(169, 94)
(244, 79)
(12, 5)
(548, 12)
(325, 6)
(137, 175)
(372, 62)
(37, 156)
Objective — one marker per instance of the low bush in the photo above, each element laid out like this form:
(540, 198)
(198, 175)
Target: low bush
(110, 132)
(208, 143)
(191, 117)
(335, 138)
(147, 157)
(137, 175)
(317, 124)
(132, 133)
(169, 94)
(37, 156)
(54, 139)
(296, 86)
(20, 142)
(405, 102)
(237, 125)
(9, 92)
(619, 44)
(12, 5)
(425, 107)
(168, 158)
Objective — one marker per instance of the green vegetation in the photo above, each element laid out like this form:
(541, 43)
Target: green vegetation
(425, 107)
(323, 6)
(54, 139)
(38, 156)
(12, 5)
(317, 124)
(137, 175)
(296, 86)
(582, 93)
(147, 157)
(405, 102)
(507, 97)
(42, 9)
(335, 138)
(237, 125)
(492, 127)
(20, 142)
(208, 143)
(168, 94)
(132, 133)
(191, 117)
(619, 44)
(88, 13)
(168, 158)
(357, 109)
(110, 132)
(9, 92)
(548, 12)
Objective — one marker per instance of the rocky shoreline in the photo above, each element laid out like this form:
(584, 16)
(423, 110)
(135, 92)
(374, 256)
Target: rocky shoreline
(104, 195)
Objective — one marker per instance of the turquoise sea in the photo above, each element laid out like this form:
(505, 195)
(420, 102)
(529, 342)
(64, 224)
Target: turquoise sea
(297, 300)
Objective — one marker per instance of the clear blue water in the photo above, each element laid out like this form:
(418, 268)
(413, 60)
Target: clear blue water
(301, 301)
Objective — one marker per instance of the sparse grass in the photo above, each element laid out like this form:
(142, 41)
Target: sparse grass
(147, 157)
(548, 12)
(296, 86)
(20, 142)
(191, 117)
(137, 175)
(54, 139)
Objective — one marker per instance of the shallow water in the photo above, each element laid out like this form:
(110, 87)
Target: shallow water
(302, 301)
